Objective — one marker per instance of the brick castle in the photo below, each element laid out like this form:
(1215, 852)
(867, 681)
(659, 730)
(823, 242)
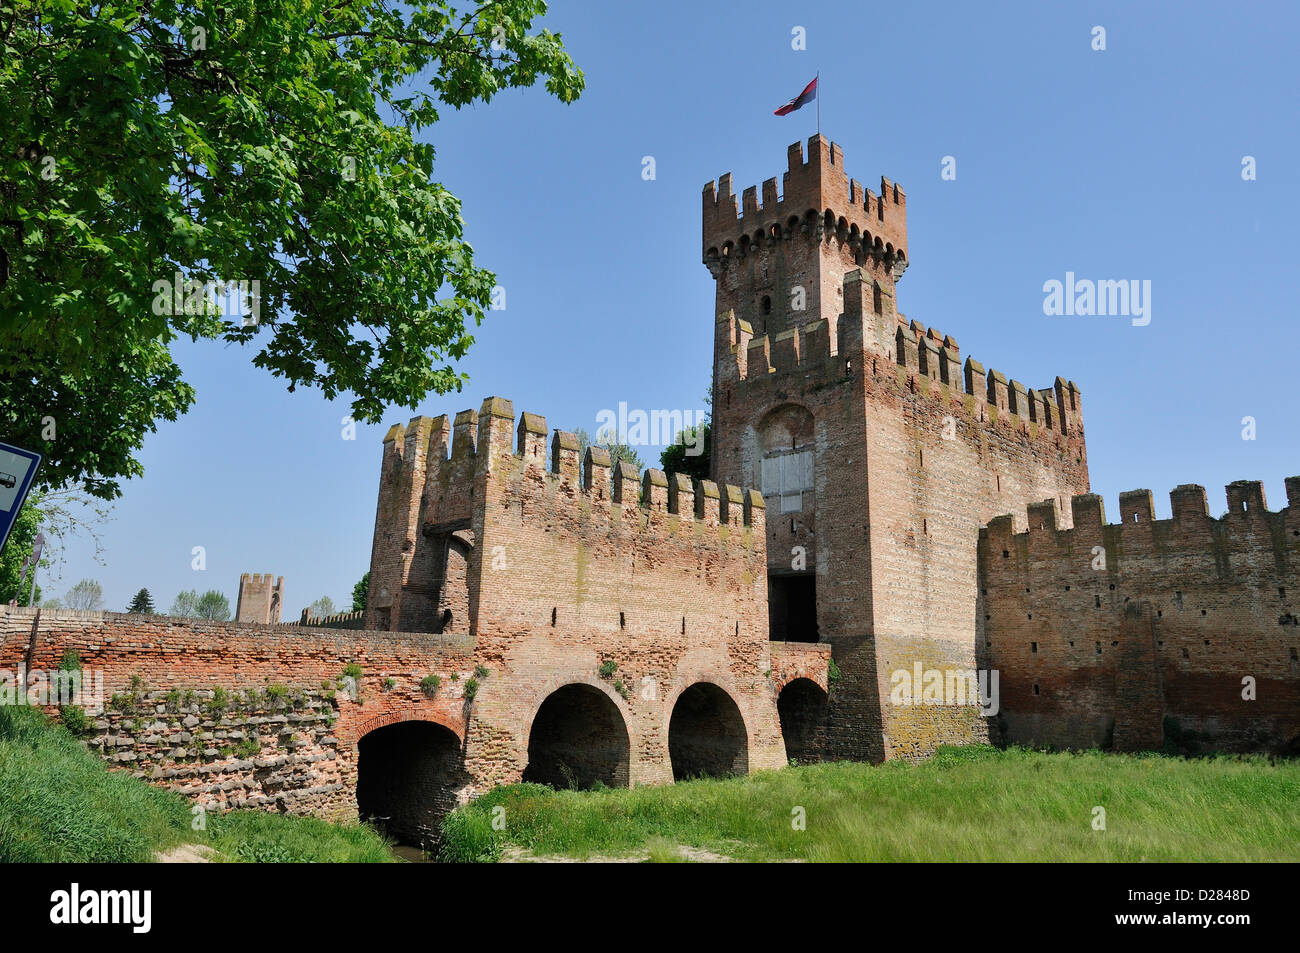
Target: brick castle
(537, 616)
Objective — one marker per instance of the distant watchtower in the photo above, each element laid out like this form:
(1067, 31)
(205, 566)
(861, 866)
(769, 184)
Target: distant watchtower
(260, 600)
(879, 453)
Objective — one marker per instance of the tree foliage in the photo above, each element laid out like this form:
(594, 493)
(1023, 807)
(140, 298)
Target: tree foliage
(213, 605)
(676, 459)
(142, 604)
(360, 592)
(322, 607)
(210, 605)
(185, 605)
(86, 594)
(235, 141)
(22, 539)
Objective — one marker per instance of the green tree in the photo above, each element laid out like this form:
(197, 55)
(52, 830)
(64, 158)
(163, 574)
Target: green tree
(695, 460)
(185, 605)
(87, 594)
(680, 456)
(322, 607)
(360, 592)
(22, 540)
(213, 605)
(142, 604)
(190, 142)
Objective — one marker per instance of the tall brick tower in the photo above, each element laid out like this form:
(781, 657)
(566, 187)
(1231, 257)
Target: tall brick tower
(879, 453)
(260, 599)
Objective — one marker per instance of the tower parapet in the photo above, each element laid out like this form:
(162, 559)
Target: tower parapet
(261, 597)
(818, 200)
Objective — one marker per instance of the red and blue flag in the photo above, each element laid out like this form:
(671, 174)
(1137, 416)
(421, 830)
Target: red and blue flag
(803, 99)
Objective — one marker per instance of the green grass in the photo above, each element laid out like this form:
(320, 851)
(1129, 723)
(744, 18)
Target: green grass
(60, 803)
(963, 804)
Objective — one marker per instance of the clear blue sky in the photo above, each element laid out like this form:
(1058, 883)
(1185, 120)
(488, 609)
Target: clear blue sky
(1117, 164)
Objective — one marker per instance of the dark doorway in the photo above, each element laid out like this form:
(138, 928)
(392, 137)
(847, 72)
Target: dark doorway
(578, 740)
(792, 608)
(407, 775)
(802, 708)
(706, 735)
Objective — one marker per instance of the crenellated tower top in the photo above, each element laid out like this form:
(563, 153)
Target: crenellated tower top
(817, 200)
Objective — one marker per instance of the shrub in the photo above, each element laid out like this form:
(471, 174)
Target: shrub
(74, 719)
(471, 689)
(608, 668)
(429, 685)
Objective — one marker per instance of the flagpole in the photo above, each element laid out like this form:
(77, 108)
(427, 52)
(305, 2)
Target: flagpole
(819, 102)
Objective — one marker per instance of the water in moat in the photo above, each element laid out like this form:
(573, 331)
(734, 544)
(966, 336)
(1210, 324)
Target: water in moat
(409, 853)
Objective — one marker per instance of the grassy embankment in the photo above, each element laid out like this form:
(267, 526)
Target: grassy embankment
(60, 803)
(964, 804)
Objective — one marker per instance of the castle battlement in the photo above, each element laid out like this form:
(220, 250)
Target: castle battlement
(817, 200)
(489, 441)
(926, 362)
(1248, 516)
(1145, 632)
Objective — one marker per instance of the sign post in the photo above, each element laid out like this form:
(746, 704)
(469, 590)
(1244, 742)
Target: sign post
(17, 471)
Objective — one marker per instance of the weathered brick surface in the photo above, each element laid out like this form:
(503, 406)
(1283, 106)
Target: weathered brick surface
(1151, 645)
(157, 717)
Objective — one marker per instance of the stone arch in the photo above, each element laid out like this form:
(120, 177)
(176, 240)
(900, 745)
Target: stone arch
(408, 774)
(578, 738)
(801, 707)
(707, 736)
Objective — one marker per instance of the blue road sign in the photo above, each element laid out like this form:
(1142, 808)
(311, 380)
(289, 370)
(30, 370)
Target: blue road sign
(17, 470)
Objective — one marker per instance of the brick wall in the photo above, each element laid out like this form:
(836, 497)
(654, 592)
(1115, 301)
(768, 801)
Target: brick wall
(184, 702)
(1140, 634)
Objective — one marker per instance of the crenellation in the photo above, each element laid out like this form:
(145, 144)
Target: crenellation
(708, 503)
(564, 456)
(1136, 506)
(1246, 498)
(1042, 517)
(532, 440)
(595, 474)
(732, 509)
(1088, 511)
(627, 485)
(654, 490)
(1189, 503)
(997, 390)
(681, 496)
